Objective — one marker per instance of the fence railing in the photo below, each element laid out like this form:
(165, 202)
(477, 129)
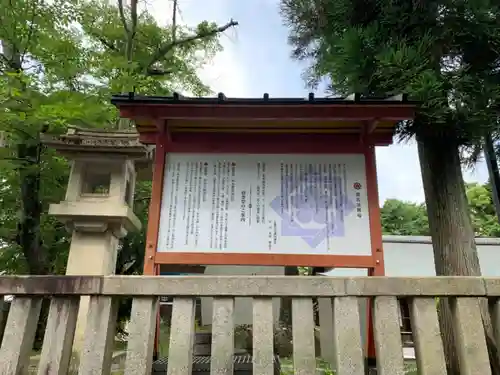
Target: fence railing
(340, 294)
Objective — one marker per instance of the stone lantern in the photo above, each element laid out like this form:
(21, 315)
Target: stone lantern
(99, 198)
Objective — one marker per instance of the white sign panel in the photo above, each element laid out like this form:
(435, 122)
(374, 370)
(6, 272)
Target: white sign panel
(274, 204)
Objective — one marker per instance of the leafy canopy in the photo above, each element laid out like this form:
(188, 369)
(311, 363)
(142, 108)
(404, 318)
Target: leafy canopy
(444, 53)
(59, 63)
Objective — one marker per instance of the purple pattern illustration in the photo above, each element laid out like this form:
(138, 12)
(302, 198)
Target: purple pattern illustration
(313, 209)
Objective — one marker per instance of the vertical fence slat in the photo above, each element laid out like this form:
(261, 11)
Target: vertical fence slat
(180, 353)
(222, 336)
(19, 334)
(263, 336)
(327, 345)
(141, 335)
(304, 356)
(388, 345)
(347, 337)
(469, 336)
(97, 350)
(59, 335)
(4, 312)
(427, 336)
(495, 319)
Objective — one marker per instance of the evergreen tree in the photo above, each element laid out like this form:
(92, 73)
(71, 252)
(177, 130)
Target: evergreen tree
(443, 53)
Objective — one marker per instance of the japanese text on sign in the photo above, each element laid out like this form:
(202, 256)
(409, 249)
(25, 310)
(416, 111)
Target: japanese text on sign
(279, 204)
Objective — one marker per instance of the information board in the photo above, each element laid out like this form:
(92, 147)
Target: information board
(271, 204)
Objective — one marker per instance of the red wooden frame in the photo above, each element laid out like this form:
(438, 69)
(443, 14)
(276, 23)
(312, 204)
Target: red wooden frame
(331, 145)
(340, 111)
(155, 206)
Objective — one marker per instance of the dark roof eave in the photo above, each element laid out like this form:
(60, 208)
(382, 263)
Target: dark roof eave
(128, 99)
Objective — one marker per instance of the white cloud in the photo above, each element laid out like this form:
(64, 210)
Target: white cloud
(400, 177)
(398, 171)
(224, 73)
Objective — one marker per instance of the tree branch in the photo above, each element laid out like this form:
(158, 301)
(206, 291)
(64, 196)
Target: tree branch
(162, 51)
(174, 21)
(5, 60)
(133, 17)
(122, 15)
(131, 31)
(104, 42)
(30, 30)
(152, 72)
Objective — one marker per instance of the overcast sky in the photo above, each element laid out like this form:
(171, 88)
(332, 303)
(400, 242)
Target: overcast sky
(256, 59)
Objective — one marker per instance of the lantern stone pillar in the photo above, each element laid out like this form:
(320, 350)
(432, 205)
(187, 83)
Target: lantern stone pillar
(98, 207)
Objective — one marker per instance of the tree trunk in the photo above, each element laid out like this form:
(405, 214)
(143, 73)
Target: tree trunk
(28, 237)
(492, 164)
(130, 29)
(31, 211)
(28, 152)
(455, 252)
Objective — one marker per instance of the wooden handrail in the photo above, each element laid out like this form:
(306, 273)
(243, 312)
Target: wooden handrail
(250, 286)
(341, 295)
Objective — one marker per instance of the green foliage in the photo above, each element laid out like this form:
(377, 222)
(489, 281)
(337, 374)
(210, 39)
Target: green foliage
(131, 256)
(404, 218)
(482, 210)
(148, 72)
(410, 219)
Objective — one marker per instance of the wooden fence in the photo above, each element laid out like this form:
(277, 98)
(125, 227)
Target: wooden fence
(341, 294)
